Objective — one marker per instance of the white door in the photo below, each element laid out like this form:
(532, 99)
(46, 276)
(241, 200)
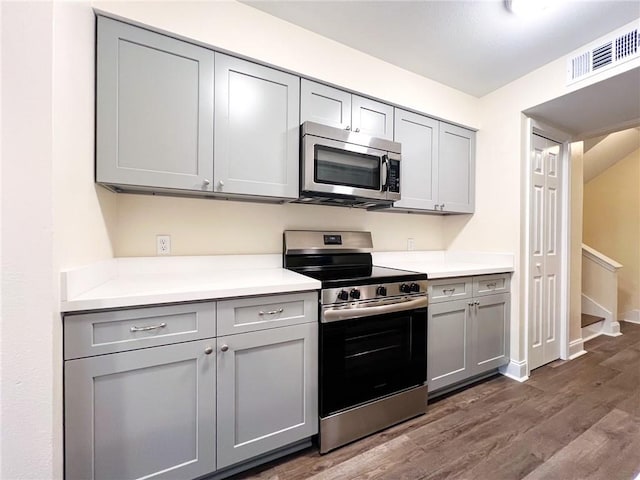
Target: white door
(545, 252)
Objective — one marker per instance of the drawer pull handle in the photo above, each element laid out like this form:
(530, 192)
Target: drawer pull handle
(272, 312)
(491, 285)
(146, 329)
(445, 290)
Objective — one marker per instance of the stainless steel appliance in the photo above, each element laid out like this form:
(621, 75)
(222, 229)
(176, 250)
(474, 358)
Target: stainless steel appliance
(343, 167)
(373, 335)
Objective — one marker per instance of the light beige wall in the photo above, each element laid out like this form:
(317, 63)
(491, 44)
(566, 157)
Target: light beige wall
(28, 425)
(575, 260)
(612, 224)
(205, 227)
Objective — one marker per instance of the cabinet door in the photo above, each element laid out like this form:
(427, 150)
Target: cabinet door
(149, 413)
(491, 332)
(267, 391)
(448, 341)
(371, 117)
(419, 168)
(154, 109)
(256, 129)
(323, 104)
(456, 169)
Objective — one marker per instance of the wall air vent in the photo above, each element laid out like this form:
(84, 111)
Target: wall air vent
(607, 52)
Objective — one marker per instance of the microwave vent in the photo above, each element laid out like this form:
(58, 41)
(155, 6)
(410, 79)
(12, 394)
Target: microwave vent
(611, 50)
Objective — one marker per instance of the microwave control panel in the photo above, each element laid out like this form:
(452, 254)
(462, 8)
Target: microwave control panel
(393, 177)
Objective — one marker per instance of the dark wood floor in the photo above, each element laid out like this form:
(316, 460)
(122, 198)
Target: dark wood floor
(576, 419)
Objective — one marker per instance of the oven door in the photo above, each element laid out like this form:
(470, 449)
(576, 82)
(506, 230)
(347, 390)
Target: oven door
(343, 169)
(370, 357)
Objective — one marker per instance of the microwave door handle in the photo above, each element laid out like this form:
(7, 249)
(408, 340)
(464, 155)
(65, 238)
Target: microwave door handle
(384, 173)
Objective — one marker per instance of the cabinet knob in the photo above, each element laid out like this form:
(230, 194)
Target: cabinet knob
(206, 182)
(348, 127)
(224, 348)
(208, 350)
(221, 184)
(357, 129)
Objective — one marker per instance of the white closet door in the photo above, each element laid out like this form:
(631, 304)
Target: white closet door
(545, 252)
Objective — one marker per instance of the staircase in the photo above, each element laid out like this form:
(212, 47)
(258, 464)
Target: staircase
(599, 294)
(590, 319)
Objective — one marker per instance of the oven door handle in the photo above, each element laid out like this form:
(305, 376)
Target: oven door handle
(332, 315)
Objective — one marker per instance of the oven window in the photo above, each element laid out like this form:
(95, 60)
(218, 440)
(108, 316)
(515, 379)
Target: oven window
(340, 167)
(368, 358)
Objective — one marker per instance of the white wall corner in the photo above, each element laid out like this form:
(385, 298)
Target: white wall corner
(576, 348)
(632, 316)
(515, 370)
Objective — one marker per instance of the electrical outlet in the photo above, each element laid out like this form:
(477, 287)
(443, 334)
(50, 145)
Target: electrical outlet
(163, 244)
(410, 244)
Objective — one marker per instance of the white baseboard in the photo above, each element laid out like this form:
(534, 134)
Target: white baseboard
(576, 348)
(632, 316)
(515, 370)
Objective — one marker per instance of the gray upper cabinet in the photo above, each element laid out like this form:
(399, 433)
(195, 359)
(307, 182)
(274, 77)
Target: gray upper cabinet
(256, 129)
(322, 104)
(437, 172)
(419, 169)
(154, 109)
(147, 413)
(332, 106)
(267, 391)
(456, 169)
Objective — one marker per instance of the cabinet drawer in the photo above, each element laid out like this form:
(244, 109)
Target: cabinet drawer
(449, 289)
(259, 313)
(117, 331)
(490, 284)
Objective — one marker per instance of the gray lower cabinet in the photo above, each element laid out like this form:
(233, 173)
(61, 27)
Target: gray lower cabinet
(257, 133)
(151, 392)
(147, 413)
(438, 165)
(448, 339)
(490, 332)
(337, 108)
(154, 109)
(467, 336)
(267, 391)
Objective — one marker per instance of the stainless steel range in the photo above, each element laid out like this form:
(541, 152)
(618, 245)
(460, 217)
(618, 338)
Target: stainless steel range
(373, 334)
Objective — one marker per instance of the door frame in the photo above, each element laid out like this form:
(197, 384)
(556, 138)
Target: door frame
(531, 127)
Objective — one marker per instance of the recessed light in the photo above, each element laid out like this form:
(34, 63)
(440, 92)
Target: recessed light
(528, 8)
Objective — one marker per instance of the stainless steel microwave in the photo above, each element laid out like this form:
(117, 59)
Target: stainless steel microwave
(344, 167)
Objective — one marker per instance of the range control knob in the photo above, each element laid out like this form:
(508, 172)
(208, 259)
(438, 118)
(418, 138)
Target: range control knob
(414, 287)
(382, 291)
(404, 288)
(343, 295)
(355, 294)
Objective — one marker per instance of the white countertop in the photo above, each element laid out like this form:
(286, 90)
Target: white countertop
(445, 264)
(130, 282)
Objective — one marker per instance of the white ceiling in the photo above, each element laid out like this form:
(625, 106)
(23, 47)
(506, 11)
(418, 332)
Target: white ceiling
(473, 46)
